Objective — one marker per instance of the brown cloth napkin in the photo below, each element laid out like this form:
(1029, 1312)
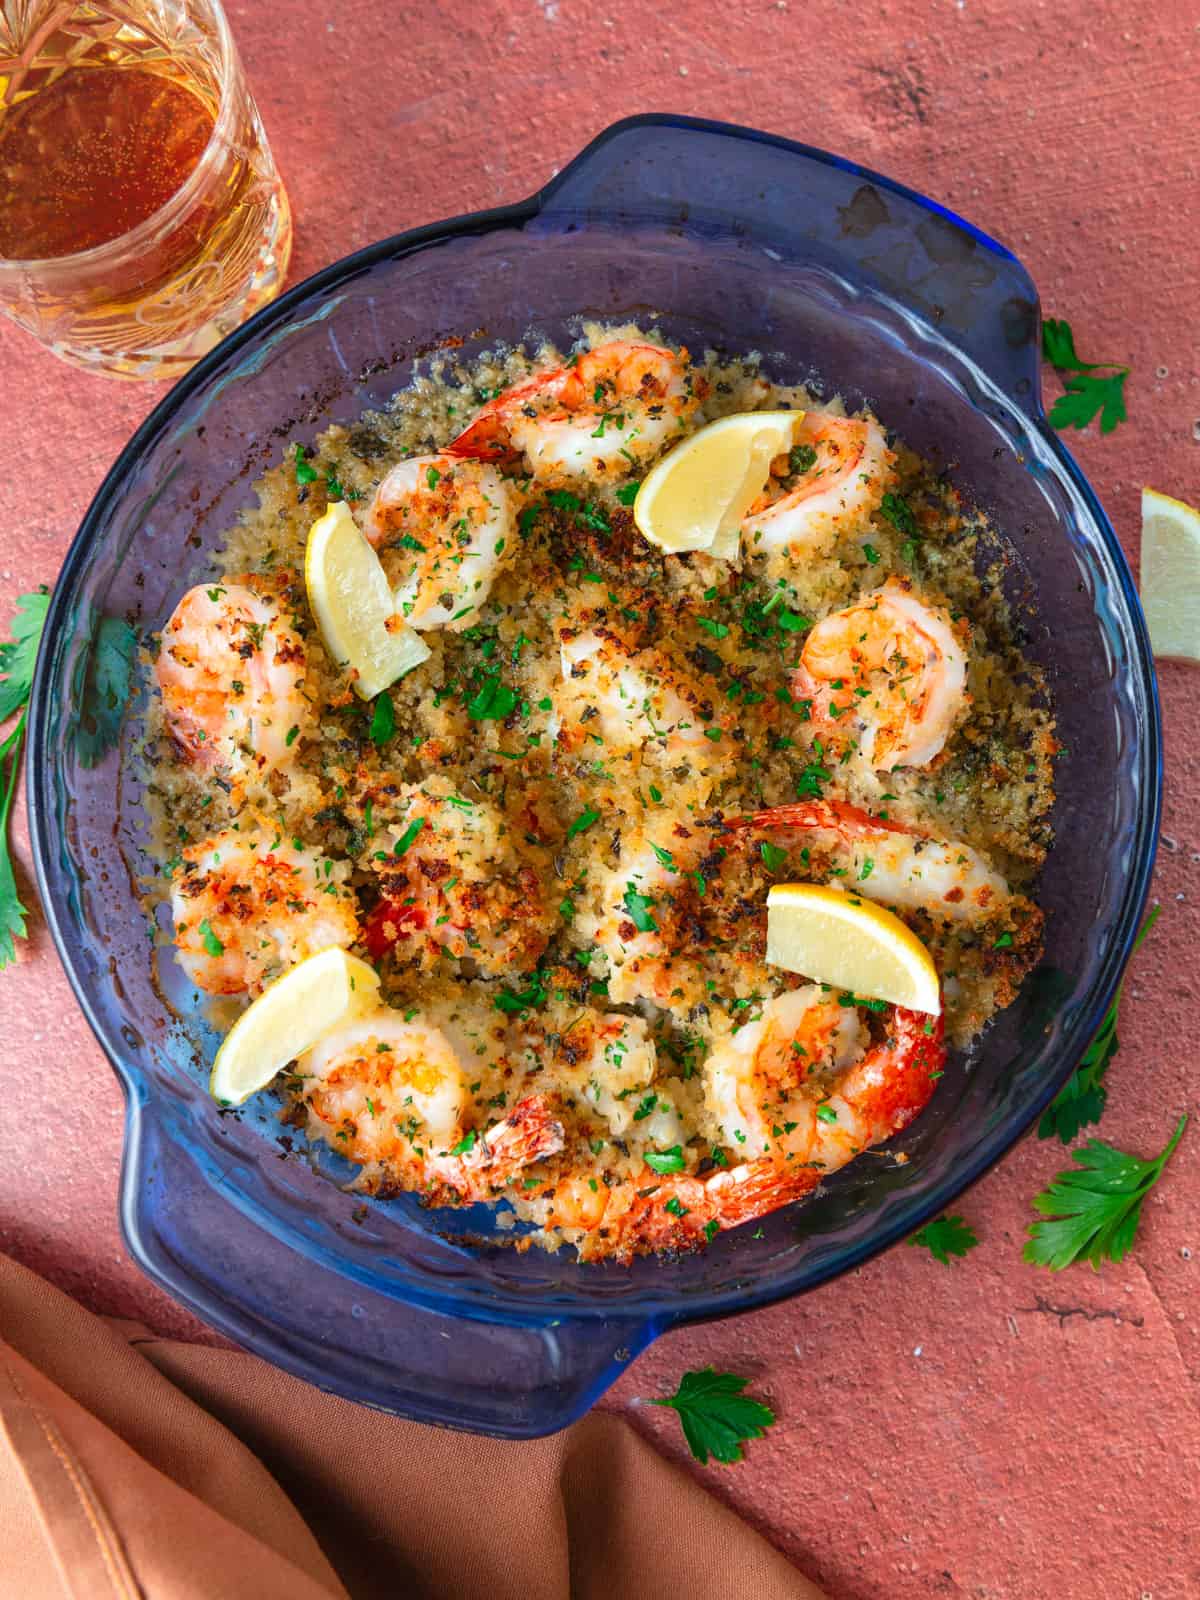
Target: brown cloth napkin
(138, 1468)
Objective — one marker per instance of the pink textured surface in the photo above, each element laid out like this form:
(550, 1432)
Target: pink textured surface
(983, 1430)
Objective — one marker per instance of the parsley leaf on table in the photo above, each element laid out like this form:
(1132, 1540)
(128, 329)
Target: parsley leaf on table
(1082, 1099)
(717, 1417)
(1092, 1212)
(1090, 387)
(945, 1237)
(17, 658)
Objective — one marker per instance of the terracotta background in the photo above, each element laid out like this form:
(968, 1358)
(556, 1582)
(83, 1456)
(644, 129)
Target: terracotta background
(983, 1430)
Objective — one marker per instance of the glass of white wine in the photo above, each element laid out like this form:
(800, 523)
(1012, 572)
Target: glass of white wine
(141, 214)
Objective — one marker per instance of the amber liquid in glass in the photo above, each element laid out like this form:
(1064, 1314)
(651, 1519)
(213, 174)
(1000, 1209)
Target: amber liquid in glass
(93, 154)
(141, 215)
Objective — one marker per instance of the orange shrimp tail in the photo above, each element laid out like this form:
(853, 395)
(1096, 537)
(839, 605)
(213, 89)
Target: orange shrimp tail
(529, 1133)
(896, 1080)
(834, 816)
(485, 439)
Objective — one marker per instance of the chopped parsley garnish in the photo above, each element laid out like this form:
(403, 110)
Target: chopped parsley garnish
(1091, 1211)
(304, 472)
(945, 1237)
(899, 513)
(717, 1418)
(638, 907)
(801, 458)
(383, 720)
(512, 1002)
(583, 821)
(773, 856)
(493, 703)
(212, 944)
(814, 775)
(627, 493)
(665, 1161)
(719, 630)
(409, 837)
(792, 621)
(826, 1113)
(467, 1143)
(645, 1106)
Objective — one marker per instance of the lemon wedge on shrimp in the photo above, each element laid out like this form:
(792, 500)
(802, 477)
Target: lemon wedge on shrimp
(354, 606)
(696, 496)
(841, 939)
(288, 1018)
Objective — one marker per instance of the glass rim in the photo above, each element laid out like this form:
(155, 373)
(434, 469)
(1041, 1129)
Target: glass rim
(175, 205)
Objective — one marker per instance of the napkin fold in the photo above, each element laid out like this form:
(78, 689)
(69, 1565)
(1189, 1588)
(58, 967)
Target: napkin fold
(139, 1468)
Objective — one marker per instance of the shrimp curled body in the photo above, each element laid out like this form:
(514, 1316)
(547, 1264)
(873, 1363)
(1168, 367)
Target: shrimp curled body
(610, 408)
(248, 904)
(890, 673)
(837, 472)
(392, 1093)
(231, 673)
(443, 529)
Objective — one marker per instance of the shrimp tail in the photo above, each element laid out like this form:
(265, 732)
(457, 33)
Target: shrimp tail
(529, 1133)
(484, 439)
(833, 816)
(894, 1082)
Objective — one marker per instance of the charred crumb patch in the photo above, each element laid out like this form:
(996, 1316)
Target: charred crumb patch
(618, 553)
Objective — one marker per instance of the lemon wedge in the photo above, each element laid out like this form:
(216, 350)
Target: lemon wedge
(696, 496)
(353, 604)
(288, 1018)
(851, 943)
(1171, 575)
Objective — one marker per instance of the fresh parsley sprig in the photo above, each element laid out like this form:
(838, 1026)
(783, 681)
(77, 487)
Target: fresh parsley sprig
(1082, 1099)
(1090, 387)
(717, 1417)
(945, 1237)
(17, 658)
(1091, 1212)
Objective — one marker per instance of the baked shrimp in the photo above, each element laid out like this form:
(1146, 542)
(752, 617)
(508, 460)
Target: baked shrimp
(249, 903)
(443, 527)
(824, 489)
(230, 671)
(886, 678)
(608, 408)
(391, 1091)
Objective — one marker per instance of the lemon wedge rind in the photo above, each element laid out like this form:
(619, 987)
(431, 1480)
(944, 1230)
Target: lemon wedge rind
(696, 496)
(1170, 575)
(354, 606)
(851, 943)
(288, 1018)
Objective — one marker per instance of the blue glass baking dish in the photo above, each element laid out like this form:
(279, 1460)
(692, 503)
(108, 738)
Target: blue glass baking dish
(727, 238)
